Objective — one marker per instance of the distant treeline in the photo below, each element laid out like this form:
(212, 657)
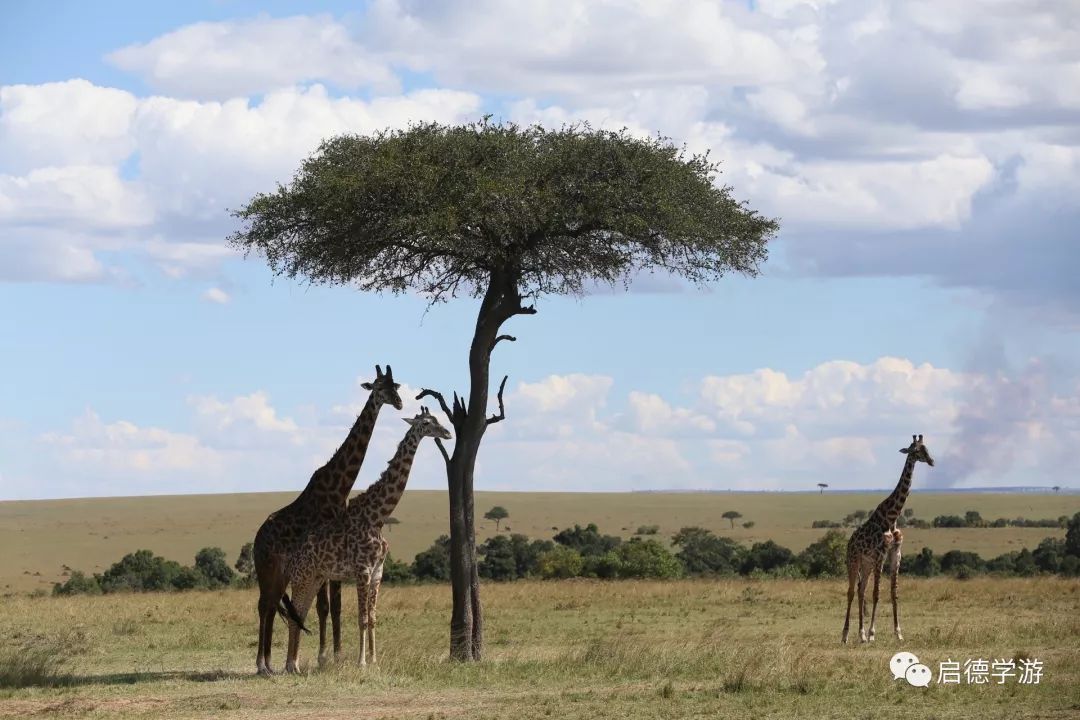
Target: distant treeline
(586, 552)
(971, 519)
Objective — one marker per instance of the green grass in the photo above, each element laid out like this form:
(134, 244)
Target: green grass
(566, 649)
(40, 537)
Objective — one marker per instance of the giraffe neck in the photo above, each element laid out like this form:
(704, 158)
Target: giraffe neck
(891, 507)
(379, 501)
(333, 481)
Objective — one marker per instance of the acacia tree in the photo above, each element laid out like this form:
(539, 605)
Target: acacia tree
(505, 214)
(498, 514)
(732, 515)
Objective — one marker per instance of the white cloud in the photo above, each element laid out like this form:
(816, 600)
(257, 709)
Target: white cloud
(126, 448)
(216, 295)
(64, 123)
(840, 423)
(222, 60)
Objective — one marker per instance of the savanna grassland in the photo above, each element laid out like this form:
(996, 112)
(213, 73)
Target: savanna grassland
(40, 537)
(561, 649)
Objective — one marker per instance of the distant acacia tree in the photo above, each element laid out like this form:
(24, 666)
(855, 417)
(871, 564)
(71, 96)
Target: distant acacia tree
(822, 486)
(391, 522)
(498, 514)
(1057, 488)
(504, 214)
(732, 515)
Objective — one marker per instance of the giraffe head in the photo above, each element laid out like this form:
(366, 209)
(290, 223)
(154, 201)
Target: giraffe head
(384, 390)
(428, 425)
(918, 450)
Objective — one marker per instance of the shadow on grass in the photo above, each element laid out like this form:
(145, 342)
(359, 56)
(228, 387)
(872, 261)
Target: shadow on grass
(136, 678)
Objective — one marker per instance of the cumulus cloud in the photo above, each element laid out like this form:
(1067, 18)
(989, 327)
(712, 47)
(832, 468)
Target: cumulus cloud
(222, 60)
(840, 423)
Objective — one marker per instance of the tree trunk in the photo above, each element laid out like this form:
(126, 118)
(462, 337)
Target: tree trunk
(501, 302)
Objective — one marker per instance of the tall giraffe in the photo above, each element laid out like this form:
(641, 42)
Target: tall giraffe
(878, 537)
(353, 547)
(323, 500)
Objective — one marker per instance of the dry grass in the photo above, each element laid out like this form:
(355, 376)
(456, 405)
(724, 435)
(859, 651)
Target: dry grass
(570, 649)
(40, 537)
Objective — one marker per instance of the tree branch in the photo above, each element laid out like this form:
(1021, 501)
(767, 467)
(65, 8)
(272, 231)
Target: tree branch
(502, 409)
(509, 338)
(442, 403)
(442, 449)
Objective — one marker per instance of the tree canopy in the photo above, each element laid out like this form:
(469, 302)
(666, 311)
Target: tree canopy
(439, 209)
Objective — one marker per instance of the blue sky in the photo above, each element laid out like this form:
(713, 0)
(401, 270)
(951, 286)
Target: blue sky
(923, 280)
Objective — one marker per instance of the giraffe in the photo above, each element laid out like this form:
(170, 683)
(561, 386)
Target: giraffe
(321, 501)
(877, 538)
(352, 546)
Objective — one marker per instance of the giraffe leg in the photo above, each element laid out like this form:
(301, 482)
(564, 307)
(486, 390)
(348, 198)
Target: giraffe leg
(363, 587)
(303, 594)
(873, 612)
(335, 615)
(853, 575)
(894, 574)
(322, 606)
(862, 601)
(373, 601)
(271, 587)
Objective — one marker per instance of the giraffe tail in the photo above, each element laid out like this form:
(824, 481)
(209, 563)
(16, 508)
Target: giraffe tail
(288, 611)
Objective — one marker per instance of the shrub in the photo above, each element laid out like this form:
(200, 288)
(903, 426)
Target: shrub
(973, 519)
(1072, 536)
(245, 561)
(211, 562)
(818, 524)
(1049, 555)
(396, 572)
(962, 563)
(766, 556)
(140, 571)
(949, 521)
(647, 530)
(644, 559)
(923, 564)
(78, 584)
(561, 561)
(433, 563)
(1004, 564)
(587, 540)
(702, 553)
(827, 557)
(498, 559)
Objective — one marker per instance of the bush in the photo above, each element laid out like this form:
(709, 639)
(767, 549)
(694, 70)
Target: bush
(396, 572)
(647, 530)
(962, 563)
(827, 557)
(702, 553)
(1049, 555)
(211, 562)
(1072, 536)
(498, 559)
(245, 561)
(189, 578)
(78, 584)
(923, 564)
(949, 521)
(561, 561)
(973, 519)
(766, 556)
(587, 540)
(818, 524)
(434, 563)
(140, 571)
(644, 559)
(1004, 564)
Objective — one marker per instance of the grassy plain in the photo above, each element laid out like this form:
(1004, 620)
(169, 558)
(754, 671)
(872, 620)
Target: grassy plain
(564, 649)
(39, 537)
